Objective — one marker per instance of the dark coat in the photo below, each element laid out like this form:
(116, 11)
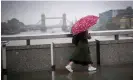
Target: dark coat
(81, 36)
(81, 54)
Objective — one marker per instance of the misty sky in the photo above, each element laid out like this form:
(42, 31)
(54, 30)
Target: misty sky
(29, 11)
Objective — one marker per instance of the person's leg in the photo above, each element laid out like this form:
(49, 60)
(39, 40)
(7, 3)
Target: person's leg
(69, 66)
(70, 63)
(91, 68)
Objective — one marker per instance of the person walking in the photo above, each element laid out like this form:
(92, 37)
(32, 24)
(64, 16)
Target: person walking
(80, 38)
(81, 54)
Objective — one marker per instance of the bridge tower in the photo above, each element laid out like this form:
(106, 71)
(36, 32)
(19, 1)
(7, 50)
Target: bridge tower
(64, 26)
(43, 24)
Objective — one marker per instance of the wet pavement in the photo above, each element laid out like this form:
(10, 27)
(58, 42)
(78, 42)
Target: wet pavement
(121, 72)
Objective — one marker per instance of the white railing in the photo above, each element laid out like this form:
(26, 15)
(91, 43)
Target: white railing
(65, 35)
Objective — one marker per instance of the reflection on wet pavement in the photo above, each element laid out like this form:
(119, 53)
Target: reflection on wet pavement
(123, 72)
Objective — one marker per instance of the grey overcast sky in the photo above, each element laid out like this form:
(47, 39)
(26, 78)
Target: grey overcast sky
(29, 11)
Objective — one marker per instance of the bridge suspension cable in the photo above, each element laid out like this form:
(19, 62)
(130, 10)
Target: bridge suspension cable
(38, 22)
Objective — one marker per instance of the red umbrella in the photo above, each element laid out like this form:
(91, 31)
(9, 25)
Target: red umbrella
(84, 24)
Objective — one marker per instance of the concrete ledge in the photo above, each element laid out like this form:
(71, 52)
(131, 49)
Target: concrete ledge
(28, 47)
(71, 45)
(37, 57)
(116, 52)
(116, 41)
(23, 60)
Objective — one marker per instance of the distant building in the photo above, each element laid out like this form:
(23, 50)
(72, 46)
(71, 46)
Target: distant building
(116, 19)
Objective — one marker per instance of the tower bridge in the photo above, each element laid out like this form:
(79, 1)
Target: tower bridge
(41, 24)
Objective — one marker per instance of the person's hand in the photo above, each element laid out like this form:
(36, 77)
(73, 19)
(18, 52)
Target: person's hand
(89, 36)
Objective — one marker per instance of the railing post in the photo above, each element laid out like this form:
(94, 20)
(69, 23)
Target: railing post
(28, 42)
(116, 37)
(43, 20)
(4, 61)
(52, 56)
(4, 77)
(53, 75)
(98, 51)
(64, 22)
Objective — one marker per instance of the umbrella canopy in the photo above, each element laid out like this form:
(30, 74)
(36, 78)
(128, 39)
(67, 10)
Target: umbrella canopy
(84, 24)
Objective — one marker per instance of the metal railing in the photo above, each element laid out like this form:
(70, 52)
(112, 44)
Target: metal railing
(116, 34)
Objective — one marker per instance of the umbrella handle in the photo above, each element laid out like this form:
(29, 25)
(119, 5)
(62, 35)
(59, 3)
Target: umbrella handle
(89, 36)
